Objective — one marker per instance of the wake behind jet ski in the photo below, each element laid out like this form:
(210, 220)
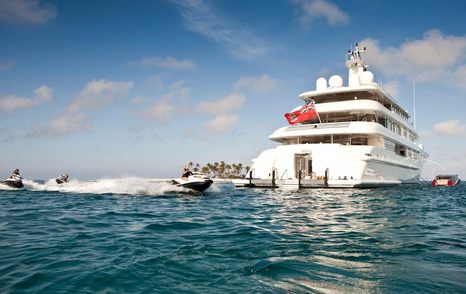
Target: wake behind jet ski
(62, 179)
(15, 180)
(194, 181)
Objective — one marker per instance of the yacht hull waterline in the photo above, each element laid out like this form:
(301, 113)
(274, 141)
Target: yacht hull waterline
(344, 136)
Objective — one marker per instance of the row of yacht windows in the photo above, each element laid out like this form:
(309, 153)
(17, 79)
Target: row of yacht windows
(329, 139)
(397, 128)
(396, 110)
(354, 139)
(399, 149)
(364, 95)
(377, 117)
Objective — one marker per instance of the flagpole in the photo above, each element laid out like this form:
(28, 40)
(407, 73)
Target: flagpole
(314, 106)
(414, 104)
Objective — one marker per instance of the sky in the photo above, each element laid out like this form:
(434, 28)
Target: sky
(139, 88)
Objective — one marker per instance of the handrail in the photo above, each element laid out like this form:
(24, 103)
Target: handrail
(326, 177)
(250, 177)
(286, 171)
(273, 177)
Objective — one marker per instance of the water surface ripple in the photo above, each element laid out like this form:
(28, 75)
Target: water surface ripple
(389, 240)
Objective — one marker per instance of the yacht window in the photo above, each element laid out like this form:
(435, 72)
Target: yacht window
(389, 145)
(358, 140)
(382, 121)
(400, 150)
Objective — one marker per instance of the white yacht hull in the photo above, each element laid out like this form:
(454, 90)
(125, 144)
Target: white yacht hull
(339, 165)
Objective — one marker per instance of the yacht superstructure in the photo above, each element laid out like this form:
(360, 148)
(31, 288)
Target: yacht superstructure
(360, 137)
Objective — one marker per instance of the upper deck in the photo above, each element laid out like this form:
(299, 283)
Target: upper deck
(360, 85)
(361, 92)
(361, 112)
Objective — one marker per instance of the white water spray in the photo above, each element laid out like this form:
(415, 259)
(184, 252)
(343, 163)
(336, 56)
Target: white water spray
(127, 186)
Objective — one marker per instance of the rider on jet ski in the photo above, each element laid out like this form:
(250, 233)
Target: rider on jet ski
(15, 175)
(64, 177)
(186, 173)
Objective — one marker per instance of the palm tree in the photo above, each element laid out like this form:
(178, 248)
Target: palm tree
(239, 168)
(215, 169)
(228, 170)
(247, 168)
(233, 169)
(221, 168)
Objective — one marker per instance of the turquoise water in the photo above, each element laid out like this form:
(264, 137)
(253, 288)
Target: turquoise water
(137, 236)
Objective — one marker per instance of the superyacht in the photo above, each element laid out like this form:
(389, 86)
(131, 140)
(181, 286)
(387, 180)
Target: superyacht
(344, 136)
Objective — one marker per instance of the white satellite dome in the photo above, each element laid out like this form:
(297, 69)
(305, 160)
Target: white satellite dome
(321, 84)
(366, 77)
(335, 81)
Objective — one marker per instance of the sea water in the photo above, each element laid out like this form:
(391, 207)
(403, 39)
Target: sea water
(140, 236)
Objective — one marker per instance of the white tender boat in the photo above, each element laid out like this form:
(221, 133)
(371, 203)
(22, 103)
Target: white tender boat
(446, 180)
(344, 136)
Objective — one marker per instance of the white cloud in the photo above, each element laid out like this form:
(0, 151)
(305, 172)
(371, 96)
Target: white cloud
(12, 103)
(450, 128)
(138, 100)
(392, 88)
(96, 94)
(221, 123)
(99, 93)
(312, 10)
(29, 12)
(167, 62)
(202, 18)
(432, 57)
(64, 124)
(261, 84)
(43, 94)
(157, 81)
(164, 108)
(223, 105)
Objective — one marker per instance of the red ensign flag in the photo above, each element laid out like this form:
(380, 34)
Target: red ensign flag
(306, 112)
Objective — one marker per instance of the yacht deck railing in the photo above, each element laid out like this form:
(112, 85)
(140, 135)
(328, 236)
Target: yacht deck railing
(317, 126)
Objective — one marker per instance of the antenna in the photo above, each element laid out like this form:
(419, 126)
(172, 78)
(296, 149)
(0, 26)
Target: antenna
(414, 104)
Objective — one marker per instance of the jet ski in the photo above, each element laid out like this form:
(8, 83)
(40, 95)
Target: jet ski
(62, 179)
(13, 182)
(196, 181)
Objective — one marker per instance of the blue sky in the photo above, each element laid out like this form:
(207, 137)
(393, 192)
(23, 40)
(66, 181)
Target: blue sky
(116, 88)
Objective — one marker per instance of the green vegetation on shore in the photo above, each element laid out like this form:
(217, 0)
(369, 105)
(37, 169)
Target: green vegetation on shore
(220, 169)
